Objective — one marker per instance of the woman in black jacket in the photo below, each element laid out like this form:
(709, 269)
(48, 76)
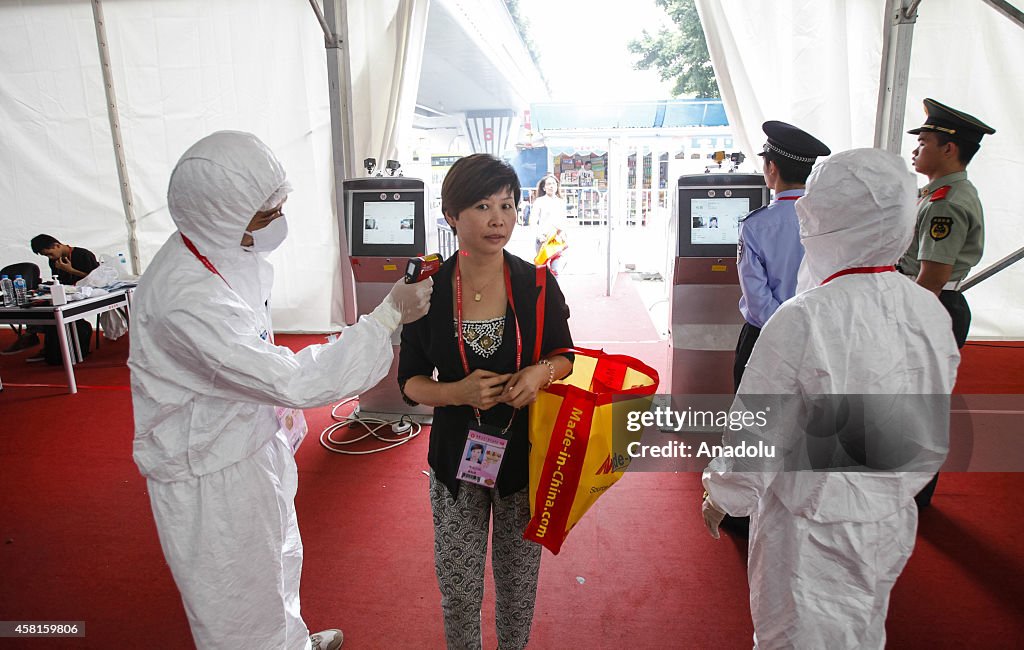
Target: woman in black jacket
(485, 384)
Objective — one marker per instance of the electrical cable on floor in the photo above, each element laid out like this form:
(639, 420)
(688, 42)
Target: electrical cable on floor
(404, 428)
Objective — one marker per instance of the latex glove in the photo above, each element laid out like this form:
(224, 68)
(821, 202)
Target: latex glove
(712, 516)
(404, 304)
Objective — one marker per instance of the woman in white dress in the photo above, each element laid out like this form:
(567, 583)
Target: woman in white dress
(548, 212)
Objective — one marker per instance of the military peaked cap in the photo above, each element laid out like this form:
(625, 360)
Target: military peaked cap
(956, 124)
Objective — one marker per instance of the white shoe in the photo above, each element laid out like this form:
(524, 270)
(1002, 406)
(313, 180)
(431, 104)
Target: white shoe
(327, 640)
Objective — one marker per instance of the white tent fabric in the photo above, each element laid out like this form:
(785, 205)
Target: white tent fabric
(57, 171)
(181, 70)
(387, 40)
(816, 65)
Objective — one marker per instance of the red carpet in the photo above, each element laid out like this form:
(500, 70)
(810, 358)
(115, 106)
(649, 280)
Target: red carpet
(991, 368)
(78, 541)
(598, 318)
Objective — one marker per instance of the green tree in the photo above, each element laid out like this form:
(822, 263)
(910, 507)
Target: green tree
(679, 52)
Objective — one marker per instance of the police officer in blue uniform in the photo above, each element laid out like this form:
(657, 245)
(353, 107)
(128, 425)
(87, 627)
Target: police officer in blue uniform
(769, 251)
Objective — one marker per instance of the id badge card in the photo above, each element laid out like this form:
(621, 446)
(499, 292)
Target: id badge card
(293, 423)
(481, 459)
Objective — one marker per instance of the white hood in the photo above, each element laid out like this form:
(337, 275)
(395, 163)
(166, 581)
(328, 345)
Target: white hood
(215, 189)
(858, 210)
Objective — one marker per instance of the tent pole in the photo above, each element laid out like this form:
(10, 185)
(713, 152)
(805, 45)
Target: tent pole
(897, 39)
(340, 92)
(1008, 10)
(989, 271)
(115, 134)
(330, 40)
(612, 192)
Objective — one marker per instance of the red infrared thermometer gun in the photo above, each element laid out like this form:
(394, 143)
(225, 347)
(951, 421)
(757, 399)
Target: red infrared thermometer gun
(421, 268)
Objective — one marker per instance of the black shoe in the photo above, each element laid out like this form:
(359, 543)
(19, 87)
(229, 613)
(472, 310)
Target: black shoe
(924, 497)
(738, 526)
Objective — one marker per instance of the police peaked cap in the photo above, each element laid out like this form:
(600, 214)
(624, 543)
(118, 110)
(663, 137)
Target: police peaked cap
(790, 142)
(957, 125)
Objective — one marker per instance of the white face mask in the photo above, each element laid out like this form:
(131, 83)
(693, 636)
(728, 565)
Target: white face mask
(267, 239)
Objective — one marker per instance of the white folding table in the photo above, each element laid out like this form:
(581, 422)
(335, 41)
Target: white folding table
(62, 316)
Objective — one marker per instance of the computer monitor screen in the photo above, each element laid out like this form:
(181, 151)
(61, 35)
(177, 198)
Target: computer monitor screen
(384, 217)
(389, 222)
(716, 221)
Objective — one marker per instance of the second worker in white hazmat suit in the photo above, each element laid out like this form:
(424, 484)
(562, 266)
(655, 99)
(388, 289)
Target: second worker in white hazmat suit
(826, 547)
(205, 379)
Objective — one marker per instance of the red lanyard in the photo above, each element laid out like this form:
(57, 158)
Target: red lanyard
(859, 269)
(786, 198)
(202, 258)
(213, 269)
(458, 316)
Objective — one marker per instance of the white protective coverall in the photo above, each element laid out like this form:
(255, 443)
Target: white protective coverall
(205, 377)
(825, 548)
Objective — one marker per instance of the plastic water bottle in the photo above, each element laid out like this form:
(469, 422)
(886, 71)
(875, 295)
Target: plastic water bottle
(20, 290)
(8, 288)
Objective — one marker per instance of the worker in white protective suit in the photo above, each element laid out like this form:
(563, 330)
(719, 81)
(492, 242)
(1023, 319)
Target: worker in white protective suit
(206, 377)
(826, 547)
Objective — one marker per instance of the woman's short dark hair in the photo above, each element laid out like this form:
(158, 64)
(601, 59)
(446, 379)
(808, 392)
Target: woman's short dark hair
(42, 242)
(473, 178)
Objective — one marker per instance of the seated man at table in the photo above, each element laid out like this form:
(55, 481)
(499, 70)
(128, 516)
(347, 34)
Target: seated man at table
(69, 264)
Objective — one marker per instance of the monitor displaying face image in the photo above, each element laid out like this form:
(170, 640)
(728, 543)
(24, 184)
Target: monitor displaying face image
(386, 221)
(709, 209)
(389, 223)
(716, 221)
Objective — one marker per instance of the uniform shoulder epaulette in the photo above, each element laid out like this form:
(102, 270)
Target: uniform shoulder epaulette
(752, 213)
(939, 194)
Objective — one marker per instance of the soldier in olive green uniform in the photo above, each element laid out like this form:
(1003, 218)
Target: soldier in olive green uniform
(950, 234)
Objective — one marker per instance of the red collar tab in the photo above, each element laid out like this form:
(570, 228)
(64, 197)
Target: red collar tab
(859, 269)
(939, 194)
